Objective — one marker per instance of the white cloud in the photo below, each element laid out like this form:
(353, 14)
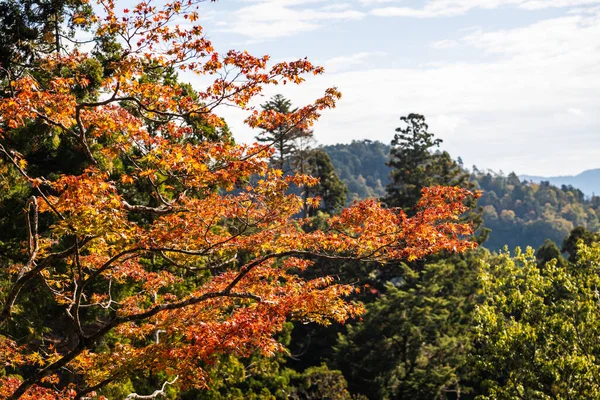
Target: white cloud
(448, 125)
(269, 19)
(546, 41)
(336, 7)
(449, 8)
(444, 44)
(337, 64)
(269, 29)
(585, 10)
(369, 2)
(575, 111)
(540, 4)
(535, 103)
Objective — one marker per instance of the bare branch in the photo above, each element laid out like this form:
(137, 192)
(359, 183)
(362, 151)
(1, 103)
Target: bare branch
(32, 234)
(154, 395)
(162, 210)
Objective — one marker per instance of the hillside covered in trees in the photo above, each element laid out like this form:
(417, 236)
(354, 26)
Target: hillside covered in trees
(518, 212)
(361, 165)
(587, 181)
(524, 213)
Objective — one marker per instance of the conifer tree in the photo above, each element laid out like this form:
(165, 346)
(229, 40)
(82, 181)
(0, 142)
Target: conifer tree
(284, 137)
(30, 29)
(416, 164)
(330, 189)
(415, 340)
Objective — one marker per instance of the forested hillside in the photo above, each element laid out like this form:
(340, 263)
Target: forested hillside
(587, 181)
(518, 212)
(361, 165)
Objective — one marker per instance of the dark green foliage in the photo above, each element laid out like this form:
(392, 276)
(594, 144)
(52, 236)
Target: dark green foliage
(414, 340)
(260, 377)
(20, 26)
(549, 251)
(415, 165)
(32, 27)
(362, 166)
(330, 188)
(576, 237)
(320, 382)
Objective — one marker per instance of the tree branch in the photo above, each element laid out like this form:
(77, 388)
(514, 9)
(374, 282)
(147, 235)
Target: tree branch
(154, 395)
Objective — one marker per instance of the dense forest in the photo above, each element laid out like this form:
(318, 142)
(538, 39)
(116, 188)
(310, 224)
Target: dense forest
(525, 214)
(518, 212)
(145, 254)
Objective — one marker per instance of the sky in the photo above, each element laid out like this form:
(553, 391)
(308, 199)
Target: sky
(509, 85)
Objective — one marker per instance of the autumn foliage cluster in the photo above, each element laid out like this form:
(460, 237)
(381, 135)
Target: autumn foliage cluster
(166, 245)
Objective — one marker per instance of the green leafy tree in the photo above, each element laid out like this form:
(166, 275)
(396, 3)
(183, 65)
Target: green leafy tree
(538, 327)
(415, 339)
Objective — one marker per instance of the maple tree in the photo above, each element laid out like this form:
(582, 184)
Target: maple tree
(162, 249)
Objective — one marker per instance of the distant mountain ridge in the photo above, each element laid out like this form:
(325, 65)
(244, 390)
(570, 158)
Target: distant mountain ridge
(520, 211)
(588, 181)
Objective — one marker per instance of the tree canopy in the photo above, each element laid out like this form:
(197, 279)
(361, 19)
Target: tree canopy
(537, 329)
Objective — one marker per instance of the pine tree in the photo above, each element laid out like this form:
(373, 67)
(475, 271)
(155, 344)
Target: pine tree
(32, 28)
(415, 165)
(285, 137)
(330, 188)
